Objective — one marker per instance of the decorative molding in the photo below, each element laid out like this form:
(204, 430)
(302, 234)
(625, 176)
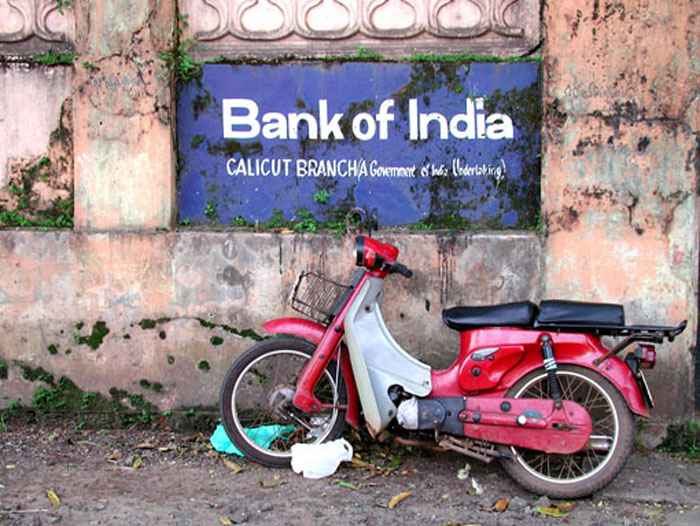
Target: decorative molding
(326, 19)
(392, 18)
(21, 20)
(231, 27)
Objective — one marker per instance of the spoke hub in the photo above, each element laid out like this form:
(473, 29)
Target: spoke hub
(279, 403)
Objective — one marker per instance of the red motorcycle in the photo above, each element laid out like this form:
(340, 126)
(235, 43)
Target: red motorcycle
(532, 386)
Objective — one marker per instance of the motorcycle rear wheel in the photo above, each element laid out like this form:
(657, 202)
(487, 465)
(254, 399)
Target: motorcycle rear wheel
(586, 471)
(256, 402)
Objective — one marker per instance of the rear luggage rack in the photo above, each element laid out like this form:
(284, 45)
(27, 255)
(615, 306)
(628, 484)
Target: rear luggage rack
(652, 333)
(632, 333)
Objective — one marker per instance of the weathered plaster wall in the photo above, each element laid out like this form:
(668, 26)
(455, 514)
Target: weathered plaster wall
(621, 168)
(124, 148)
(180, 306)
(620, 198)
(30, 107)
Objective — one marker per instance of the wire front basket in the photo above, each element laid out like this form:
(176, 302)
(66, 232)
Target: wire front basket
(316, 296)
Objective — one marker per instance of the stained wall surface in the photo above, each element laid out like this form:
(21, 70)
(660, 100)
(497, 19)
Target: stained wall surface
(621, 165)
(122, 299)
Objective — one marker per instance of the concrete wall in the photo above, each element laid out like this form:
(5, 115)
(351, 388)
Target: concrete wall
(619, 194)
(179, 307)
(621, 163)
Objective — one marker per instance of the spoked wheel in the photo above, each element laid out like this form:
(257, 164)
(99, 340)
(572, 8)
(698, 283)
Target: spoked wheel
(610, 444)
(256, 402)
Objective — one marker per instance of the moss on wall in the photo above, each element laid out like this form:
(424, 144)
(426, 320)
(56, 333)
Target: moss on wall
(39, 190)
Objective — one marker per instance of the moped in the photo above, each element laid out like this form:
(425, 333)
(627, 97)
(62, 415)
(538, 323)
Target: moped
(532, 385)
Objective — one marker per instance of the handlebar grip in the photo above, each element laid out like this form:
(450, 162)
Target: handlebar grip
(398, 268)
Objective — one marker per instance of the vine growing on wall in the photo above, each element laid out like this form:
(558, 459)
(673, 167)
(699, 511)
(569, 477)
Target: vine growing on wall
(178, 59)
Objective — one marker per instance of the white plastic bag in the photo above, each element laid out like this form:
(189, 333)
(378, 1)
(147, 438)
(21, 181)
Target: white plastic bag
(320, 460)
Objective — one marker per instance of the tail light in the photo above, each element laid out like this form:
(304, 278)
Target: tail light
(646, 354)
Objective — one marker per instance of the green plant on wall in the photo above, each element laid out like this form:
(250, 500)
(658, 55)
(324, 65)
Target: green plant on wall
(322, 196)
(24, 210)
(51, 58)
(61, 4)
(210, 211)
(178, 59)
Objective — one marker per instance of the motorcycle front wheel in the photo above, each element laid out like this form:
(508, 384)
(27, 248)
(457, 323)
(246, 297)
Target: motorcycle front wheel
(596, 465)
(256, 402)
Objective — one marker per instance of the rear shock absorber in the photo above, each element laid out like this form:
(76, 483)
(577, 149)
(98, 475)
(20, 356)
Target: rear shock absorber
(550, 365)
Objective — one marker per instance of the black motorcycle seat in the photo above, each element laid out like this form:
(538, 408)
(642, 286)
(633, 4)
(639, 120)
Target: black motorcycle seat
(517, 314)
(559, 312)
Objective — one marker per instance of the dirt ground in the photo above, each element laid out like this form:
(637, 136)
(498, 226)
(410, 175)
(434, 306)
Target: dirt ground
(55, 474)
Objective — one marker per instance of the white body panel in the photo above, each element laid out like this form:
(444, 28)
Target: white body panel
(378, 361)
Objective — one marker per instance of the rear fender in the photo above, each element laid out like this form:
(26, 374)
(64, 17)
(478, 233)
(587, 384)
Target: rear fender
(613, 369)
(621, 377)
(569, 348)
(314, 332)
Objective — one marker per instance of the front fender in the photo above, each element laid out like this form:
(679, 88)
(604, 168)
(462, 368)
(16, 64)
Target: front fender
(296, 327)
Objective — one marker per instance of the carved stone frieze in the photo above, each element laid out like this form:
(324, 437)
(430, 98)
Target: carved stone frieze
(334, 27)
(30, 25)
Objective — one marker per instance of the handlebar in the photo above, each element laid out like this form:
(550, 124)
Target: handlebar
(398, 268)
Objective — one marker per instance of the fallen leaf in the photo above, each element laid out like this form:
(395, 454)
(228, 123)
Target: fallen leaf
(137, 463)
(463, 473)
(53, 498)
(345, 484)
(501, 505)
(384, 436)
(165, 449)
(358, 463)
(10, 466)
(398, 498)
(85, 443)
(233, 466)
(550, 512)
(225, 521)
(273, 483)
(688, 482)
(143, 445)
(654, 512)
(114, 456)
(565, 506)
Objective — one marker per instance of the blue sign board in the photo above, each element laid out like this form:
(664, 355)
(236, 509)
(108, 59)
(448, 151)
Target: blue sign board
(440, 143)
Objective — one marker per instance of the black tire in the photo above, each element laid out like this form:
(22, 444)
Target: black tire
(268, 371)
(594, 467)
